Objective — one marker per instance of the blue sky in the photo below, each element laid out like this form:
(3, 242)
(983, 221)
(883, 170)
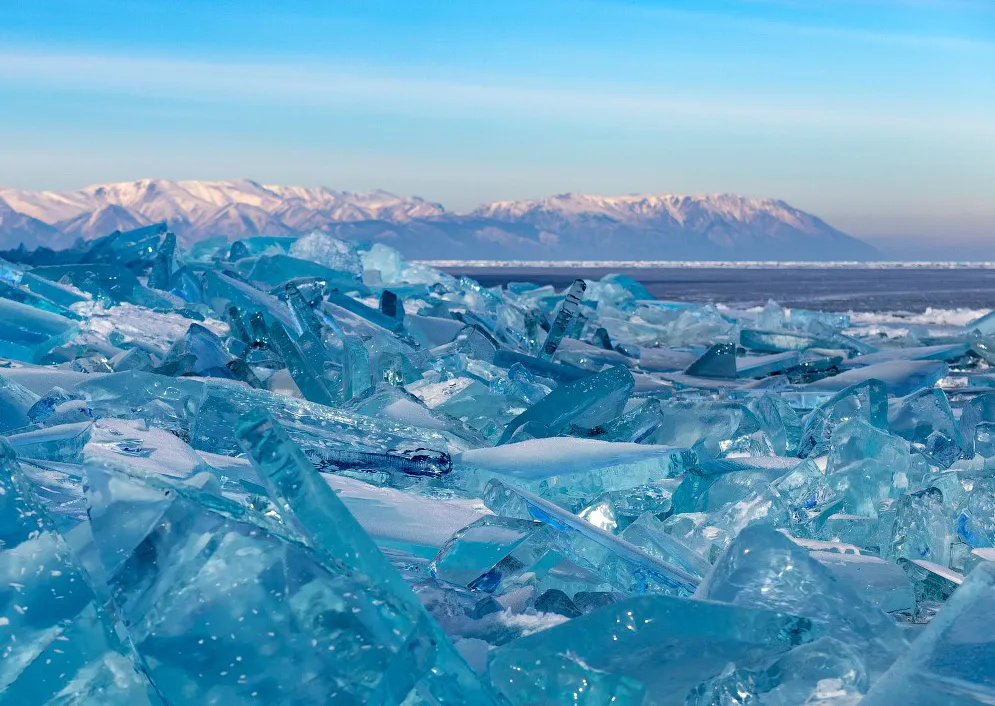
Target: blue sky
(878, 115)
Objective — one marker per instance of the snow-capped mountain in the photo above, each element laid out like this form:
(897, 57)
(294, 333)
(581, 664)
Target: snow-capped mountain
(566, 226)
(199, 209)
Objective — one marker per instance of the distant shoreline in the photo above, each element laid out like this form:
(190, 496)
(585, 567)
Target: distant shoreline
(707, 264)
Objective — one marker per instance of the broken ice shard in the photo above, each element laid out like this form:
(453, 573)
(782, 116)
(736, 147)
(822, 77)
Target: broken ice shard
(663, 644)
(951, 661)
(764, 569)
(568, 309)
(719, 361)
(584, 404)
(570, 472)
(60, 645)
(626, 567)
(29, 333)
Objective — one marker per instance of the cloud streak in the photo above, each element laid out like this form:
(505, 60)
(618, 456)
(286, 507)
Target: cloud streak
(389, 90)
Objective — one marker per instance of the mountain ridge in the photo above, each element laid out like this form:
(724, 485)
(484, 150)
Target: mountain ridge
(568, 225)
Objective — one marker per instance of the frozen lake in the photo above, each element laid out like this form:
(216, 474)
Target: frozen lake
(912, 289)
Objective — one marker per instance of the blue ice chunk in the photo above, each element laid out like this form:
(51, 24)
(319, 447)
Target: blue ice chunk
(29, 333)
(663, 644)
(626, 567)
(222, 291)
(719, 361)
(567, 471)
(198, 352)
(648, 533)
(585, 403)
(766, 570)
(308, 378)
(63, 442)
(780, 341)
(60, 645)
(16, 402)
(472, 555)
(947, 353)
(900, 377)
(984, 324)
(568, 310)
(720, 427)
(950, 663)
(881, 583)
(558, 371)
(274, 270)
(295, 622)
(867, 400)
(162, 265)
(779, 421)
(977, 410)
(329, 251)
(927, 422)
(763, 365)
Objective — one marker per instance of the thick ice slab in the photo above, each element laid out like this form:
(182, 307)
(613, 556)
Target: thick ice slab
(662, 644)
(570, 472)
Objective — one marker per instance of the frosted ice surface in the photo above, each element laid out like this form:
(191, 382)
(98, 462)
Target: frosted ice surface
(305, 470)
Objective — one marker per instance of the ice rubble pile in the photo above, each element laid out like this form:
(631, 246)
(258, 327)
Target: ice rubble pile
(304, 472)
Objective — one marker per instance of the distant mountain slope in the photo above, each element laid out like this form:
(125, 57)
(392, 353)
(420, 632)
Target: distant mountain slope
(566, 226)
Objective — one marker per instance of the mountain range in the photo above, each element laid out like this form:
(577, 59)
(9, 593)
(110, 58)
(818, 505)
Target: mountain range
(565, 226)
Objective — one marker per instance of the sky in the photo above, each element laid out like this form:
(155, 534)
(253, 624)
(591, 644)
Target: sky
(877, 115)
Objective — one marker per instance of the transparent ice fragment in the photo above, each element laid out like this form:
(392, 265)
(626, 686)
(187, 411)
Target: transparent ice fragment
(566, 313)
(950, 662)
(199, 352)
(621, 564)
(923, 528)
(822, 672)
(666, 645)
(900, 377)
(479, 554)
(763, 365)
(559, 677)
(62, 442)
(648, 534)
(16, 403)
(947, 353)
(329, 251)
(933, 584)
(772, 317)
(764, 569)
(779, 421)
(719, 427)
(866, 400)
(60, 645)
(719, 361)
(585, 404)
(881, 583)
(926, 421)
(780, 341)
(302, 368)
(29, 333)
(162, 265)
(978, 410)
(570, 472)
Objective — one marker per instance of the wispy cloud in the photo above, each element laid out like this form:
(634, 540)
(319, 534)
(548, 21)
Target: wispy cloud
(391, 90)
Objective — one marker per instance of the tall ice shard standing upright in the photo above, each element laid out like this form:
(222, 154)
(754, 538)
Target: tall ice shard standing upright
(563, 318)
